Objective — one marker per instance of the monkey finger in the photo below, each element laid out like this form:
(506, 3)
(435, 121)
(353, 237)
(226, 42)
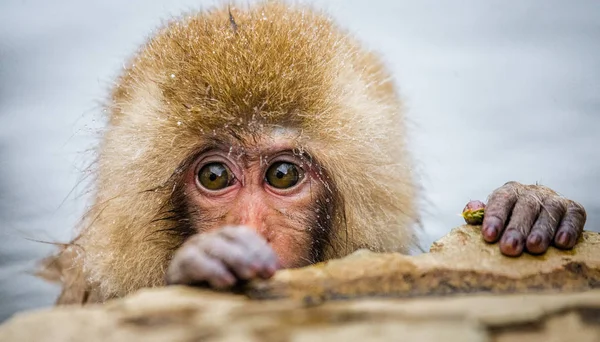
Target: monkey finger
(500, 204)
(263, 253)
(523, 216)
(190, 266)
(263, 257)
(212, 271)
(233, 254)
(270, 263)
(242, 235)
(571, 226)
(545, 226)
(257, 249)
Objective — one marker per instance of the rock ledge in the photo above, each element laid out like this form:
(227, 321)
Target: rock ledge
(459, 263)
(463, 290)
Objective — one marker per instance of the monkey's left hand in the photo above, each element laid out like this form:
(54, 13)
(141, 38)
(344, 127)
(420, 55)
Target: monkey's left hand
(531, 217)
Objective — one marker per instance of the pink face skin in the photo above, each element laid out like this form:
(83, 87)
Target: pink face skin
(282, 217)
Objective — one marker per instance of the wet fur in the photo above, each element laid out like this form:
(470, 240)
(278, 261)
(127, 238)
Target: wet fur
(210, 75)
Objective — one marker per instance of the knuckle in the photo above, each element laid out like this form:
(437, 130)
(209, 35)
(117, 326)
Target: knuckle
(248, 232)
(545, 229)
(502, 197)
(236, 232)
(186, 258)
(529, 202)
(239, 259)
(542, 190)
(499, 194)
(493, 214)
(512, 228)
(194, 241)
(255, 253)
(516, 233)
(554, 203)
(512, 188)
(577, 208)
(172, 273)
(173, 277)
(495, 209)
(264, 252)
(217, 269)
(226, 230)
(269, 255)
(567, 225)
(546, 224)
(219, 250)
(555, 208)
(511, 184)
(233, 230)
(249, 236)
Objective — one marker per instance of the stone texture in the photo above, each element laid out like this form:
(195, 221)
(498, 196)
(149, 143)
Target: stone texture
(185, 314)
(460, 262)
(546, 298)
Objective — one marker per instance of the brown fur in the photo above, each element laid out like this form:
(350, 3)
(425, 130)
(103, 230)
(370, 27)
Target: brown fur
(204, 76)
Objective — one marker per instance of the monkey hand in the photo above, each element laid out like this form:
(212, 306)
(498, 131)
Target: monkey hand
(220, 258)
(531, 217)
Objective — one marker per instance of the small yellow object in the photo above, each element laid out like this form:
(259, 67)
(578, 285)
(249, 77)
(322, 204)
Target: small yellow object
(474, 217)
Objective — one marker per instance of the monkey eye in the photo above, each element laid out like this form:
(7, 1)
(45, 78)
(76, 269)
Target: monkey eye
(282, 175)
(215, 176)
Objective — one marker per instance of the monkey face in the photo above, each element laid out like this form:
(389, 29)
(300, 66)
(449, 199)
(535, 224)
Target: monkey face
(266, 185)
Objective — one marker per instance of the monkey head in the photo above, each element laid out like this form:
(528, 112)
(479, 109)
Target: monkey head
(271, 118)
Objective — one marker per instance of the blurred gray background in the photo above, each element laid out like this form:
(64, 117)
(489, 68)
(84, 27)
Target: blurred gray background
(495, 91)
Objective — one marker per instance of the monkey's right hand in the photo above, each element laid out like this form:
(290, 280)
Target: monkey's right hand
(220, 258)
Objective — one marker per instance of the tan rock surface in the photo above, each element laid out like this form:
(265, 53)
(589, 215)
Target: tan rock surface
(185, 314)
(459, 263)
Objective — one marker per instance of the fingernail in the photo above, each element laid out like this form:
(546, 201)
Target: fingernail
(564, 239)
(491, 228)
(222, 282)
(512, 242)
(490, 232)
(249, 273)
(271, 270)
(255, 266)
(492, 225)
(535, 239)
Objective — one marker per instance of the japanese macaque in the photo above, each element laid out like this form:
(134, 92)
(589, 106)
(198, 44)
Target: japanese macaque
(243, 141)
